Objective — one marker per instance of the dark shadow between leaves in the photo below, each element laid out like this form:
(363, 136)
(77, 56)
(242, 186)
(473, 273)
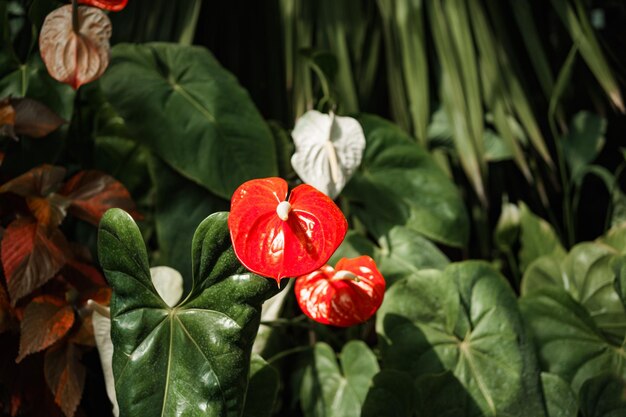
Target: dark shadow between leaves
(414, 381)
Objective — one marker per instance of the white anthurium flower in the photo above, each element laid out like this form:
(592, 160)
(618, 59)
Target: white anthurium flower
(329, 150)
(169, 284)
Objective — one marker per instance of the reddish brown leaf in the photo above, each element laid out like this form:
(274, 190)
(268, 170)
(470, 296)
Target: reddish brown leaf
(33, 118)
(1, 158)
(31, 255)
(46, 320)
(48, 211)
(65, 375)
(83, 275)
(38, 182)
(76, 58)
(93, 192)
(84, 336)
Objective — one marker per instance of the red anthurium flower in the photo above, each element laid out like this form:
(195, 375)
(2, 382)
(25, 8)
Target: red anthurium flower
(278, 237)
(343, 296)
(112, 5)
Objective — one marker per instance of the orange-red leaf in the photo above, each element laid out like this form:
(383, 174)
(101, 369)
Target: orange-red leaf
(92, 193)
(48, 211)
(46, 320)
(31, 255)
(65, 376)
(76, 58)
(33, 118)
(38, 182)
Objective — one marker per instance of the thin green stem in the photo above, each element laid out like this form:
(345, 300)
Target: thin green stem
(288, 352)
(510, 258)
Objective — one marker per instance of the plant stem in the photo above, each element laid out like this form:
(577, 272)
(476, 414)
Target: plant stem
(514, 268)
(288, 352)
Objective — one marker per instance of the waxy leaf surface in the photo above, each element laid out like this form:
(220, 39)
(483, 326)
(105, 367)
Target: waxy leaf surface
(465, 320)
(332, 389)
(180, 206)
(398, 183)
(182, 104)
(569, 342)
(160, 351)
(586, 273)
(277, 248)
(399, 253)
(75, 58)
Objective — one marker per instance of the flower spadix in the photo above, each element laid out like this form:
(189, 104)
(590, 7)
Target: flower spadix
(277, 237)
(329, 149)
(343, 296)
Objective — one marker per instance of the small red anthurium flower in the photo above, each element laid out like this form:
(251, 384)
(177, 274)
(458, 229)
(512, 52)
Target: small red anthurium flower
(278, 237)
(112, 5)
(343, 296)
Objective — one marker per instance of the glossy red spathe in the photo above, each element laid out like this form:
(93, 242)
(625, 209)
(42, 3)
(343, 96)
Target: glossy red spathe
(278, 237)
(343, 296)
(112, 5)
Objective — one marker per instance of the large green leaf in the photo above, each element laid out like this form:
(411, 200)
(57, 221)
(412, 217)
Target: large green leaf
(560, 399)
(569, 342)
(392, 394)
(586, 273)
(537, 238)
(180, 102)
(262, 389)
(180, 206)
(399, 183)
(583, 142)
(330, 389)
(603, 396)
(149, 21)
(464, 319)
(399, 253)
(191, 359)
(442, 395)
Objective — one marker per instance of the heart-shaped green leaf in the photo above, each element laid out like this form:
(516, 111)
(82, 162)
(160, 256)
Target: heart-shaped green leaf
(392, 394)
(330, 389)
(560, 399)
(586, 273)
(180, 206)
(181, 103)
(193, 358)
(398, 183)
(603, 396)
(537, 238)
(399, 253)
(464, 319)
(568, 340)
(262, 389)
